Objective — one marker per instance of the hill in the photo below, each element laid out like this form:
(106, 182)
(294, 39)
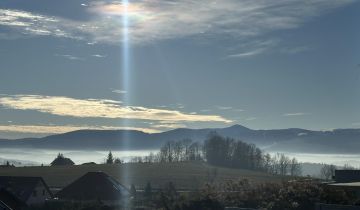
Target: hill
(185, 175)
(286, 140)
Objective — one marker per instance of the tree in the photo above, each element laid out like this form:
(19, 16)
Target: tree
(60, 160)
(195, 152)
(110, 158)
(348, 167)
(117, 161)
(267, 163)
(327, 171)
(295, 168)
(283, 164)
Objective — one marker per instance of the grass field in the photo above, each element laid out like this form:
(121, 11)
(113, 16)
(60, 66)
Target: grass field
(185, 175)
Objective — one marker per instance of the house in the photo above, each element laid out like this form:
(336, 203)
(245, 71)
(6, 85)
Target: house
(346, 176)
(8, 201)
(321, 206)
(3, 206)
(29, 190)
(347, 180)
(95, 186)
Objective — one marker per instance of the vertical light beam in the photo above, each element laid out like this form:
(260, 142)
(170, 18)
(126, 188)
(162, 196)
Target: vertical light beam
(125, 173)
(125, 48)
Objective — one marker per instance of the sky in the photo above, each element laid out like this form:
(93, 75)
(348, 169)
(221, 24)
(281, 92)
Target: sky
(157, 65)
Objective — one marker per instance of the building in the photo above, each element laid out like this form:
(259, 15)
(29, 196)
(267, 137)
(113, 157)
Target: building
(29, 190)
(321, 206)
(346, 176)
(95, 186)
(8, 201)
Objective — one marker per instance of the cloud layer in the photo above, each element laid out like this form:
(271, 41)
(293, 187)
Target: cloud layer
(154, 20)
(295, 114)
(100, 108)
(56, 129)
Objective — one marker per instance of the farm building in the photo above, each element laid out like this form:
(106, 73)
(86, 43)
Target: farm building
(28, 190)
(95, 186)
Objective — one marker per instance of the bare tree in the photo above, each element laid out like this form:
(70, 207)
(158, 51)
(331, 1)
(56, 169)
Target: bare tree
(178, 151)
(348, 167)
(327, 171)
(283, 164)
(167, 152)
(186, 147)
(295, 167)
(267, 164)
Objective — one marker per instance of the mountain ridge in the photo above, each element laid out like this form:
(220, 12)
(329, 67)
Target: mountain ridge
(285, 140)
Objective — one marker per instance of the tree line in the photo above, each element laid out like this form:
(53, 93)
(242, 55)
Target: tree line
(225, 152)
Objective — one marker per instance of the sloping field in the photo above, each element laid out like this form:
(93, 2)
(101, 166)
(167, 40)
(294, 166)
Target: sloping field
(185, 175)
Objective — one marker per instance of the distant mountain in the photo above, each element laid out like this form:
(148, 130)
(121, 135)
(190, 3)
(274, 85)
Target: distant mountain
(286, 140)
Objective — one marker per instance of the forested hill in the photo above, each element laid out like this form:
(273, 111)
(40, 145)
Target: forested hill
(291, 140)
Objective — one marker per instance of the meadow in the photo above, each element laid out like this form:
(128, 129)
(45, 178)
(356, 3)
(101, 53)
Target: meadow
(184, 175)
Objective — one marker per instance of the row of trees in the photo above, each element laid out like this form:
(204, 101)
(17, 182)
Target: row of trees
(225, 152)
(111, 160)
(237, 154)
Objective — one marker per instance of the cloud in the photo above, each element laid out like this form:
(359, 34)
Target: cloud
(56, 129)
(205, 110)
(31, 24)
(70, 57)
(295, 50)
(224, 107)
(100, 108)
(255, 47)
(239, 110)
(168, 125)
(154, 20)
(247, 54)
(118, 91)
(295, 114)
(250, 118)
(99, 56)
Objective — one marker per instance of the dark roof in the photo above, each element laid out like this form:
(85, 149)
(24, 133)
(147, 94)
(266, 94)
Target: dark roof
(94, 186)
(343, 176)
(10, 201)
(3, 206)
(22, 187)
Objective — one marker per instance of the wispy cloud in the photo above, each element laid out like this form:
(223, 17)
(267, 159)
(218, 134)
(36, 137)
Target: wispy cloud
(250, 118)
(239, 110)
(168, 125)
(70, 57)
(100, 108)
(297, 49)
(252, 48)
(118, 91)
(155, 20)
(56, 129)
(247, 54)
(98, 56)
(205, 110)
(295, 114)
(224, 107)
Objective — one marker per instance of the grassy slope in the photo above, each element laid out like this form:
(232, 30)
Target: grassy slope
(186, 175)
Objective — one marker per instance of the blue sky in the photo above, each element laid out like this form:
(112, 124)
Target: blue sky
(196, 64)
